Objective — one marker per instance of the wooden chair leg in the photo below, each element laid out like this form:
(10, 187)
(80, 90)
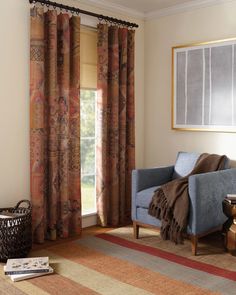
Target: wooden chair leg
(136, 230)
(194, 241)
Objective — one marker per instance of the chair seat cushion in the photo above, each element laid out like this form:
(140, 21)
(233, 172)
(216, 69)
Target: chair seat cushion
(144, 197)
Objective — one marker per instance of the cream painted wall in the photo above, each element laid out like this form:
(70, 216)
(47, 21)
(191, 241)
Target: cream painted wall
(162, 143)
(14, 97)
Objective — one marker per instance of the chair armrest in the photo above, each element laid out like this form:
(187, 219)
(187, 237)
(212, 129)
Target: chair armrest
(145, 178)
(206, 192)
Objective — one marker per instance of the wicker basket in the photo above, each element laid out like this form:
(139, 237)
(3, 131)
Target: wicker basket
(16, 232)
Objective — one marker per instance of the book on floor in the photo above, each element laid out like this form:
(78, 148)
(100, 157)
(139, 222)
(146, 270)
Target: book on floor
(27, 265)
(232, 202)
(25, 276)
(231, 197)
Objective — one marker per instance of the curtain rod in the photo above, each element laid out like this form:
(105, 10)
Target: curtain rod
(80, 11)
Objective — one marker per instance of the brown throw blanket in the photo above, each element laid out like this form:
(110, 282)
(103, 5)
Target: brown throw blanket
(170, 202)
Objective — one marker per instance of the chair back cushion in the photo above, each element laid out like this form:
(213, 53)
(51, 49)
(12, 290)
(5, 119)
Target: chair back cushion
(184, 164)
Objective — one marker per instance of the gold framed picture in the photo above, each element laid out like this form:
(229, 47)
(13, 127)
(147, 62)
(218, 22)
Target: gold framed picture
(204, 86)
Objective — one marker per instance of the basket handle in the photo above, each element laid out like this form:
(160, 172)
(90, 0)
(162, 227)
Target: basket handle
(24, 201)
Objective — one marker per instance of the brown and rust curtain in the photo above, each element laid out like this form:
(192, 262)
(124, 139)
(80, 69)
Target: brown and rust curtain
(55, 124)
(115, 142)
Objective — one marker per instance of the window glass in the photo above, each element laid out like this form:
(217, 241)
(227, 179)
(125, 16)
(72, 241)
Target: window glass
(88, 83)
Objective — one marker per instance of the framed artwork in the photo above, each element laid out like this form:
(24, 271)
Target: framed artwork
(204, 86)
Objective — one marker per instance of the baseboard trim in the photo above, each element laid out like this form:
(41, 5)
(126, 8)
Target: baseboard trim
(89, 220)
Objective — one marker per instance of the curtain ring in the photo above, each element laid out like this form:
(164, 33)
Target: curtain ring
(101, 19)
(33, 3)
(112, 21)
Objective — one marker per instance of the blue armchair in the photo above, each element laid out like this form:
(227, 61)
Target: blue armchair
(206, 192)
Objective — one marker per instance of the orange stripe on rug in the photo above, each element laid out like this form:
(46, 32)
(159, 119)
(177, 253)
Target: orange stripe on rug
(58, 285)
(126, 272)
(88, 277)
(15, 288)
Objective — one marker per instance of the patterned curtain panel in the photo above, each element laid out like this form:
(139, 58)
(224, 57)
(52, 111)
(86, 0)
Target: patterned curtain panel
(55, 124)
(115, 142)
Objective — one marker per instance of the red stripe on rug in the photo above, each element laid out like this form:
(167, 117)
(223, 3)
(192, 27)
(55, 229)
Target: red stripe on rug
(202, 266)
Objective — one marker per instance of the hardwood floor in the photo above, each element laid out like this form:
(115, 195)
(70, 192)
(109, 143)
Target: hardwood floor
(89, 231)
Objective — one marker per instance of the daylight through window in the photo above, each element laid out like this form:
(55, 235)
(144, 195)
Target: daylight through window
(88, 94)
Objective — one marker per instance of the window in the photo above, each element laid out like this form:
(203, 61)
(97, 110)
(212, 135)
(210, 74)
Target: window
(88, 148)
(88, 94)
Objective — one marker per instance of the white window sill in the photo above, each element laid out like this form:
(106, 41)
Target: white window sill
(86, 214)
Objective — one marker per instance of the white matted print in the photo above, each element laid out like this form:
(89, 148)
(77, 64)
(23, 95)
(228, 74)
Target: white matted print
(204, 86)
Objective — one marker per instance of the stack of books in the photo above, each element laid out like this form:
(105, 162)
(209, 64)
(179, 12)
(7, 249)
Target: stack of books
(231, 199)
(26, 268)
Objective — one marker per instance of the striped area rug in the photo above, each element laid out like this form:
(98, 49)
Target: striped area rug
(113, 263)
